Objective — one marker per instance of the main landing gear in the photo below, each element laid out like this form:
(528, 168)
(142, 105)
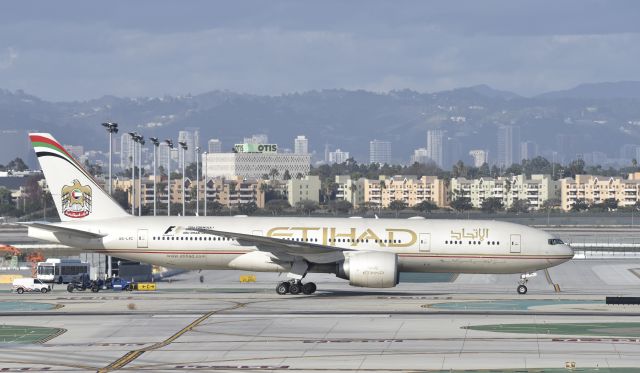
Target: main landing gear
(524, 278)
(295, 287)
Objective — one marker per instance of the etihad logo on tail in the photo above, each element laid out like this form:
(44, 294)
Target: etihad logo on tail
(76, 200)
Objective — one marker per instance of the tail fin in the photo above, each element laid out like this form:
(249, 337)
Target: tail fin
(76, 194)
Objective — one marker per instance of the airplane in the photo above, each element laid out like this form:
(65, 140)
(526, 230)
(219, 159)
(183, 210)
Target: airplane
(368, 253)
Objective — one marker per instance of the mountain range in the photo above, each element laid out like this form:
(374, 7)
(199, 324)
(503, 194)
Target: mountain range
(590, 117)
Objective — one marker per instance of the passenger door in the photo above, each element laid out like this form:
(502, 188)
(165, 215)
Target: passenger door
(515, 243)
(142, 238)
(425, 242)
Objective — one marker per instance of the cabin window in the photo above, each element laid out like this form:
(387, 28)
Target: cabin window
(555, 241)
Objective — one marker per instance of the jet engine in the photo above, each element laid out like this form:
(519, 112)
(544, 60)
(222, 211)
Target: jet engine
(369, 269)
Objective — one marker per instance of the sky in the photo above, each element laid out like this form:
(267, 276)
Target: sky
(78, 50)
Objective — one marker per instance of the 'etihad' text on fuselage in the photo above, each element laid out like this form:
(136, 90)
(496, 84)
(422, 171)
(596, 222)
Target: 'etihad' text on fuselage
(392, 237)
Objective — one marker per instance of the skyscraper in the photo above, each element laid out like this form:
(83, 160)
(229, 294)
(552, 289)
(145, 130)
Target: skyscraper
(260, 138)
(528, 150)
(338, 156)
(215, 146)
(301, 145)
(479, 157)
(191, 136)
(126, 151)
(508, 145)
(379, 152)
(435, 146)
(420, 155)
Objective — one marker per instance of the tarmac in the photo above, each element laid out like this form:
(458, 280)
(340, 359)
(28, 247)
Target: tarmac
(475, 322)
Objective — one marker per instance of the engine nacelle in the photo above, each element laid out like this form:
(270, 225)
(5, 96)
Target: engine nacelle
(370, 269)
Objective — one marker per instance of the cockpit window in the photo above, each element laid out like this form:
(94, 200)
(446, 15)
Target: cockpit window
(555, 241)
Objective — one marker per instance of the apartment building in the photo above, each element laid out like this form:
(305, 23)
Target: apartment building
(535, 190)
(409, 189)
(594, 189)
(306, 188)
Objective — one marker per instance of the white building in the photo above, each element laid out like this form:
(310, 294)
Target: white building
(256, 165)
(301, 145)
(420, 155)
(508, 145)
(535, 191)
(191, 138)
(260, 138)
(126, 151)
(338, 156)
(528, 150)
(380, 152)
(435, 146)
(479, 156)
(214, 146)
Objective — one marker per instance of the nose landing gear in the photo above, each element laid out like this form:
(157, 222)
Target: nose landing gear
(524, 278)
(296, 287)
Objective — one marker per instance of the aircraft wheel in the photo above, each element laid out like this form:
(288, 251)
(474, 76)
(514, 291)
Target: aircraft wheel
(522, 289)
(295, 288)
(282, 288)
(309, 288)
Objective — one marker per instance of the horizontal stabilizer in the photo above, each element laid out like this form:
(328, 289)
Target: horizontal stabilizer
(66, 230)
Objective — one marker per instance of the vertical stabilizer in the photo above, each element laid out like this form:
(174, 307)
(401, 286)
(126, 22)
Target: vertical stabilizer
(76, 194)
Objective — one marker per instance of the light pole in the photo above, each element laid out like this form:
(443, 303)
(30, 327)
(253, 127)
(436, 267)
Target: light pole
(156, 143)
(183, 146)
(134, 136)
(170, 145)
(140, 141)
(197, 181)
(111, 128)
(205, 183)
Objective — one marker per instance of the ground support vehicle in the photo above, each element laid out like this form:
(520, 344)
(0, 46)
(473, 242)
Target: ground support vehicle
(29, 285)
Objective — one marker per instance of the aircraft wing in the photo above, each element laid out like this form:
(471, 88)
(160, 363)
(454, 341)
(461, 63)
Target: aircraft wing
(312, 252)
(66, 230)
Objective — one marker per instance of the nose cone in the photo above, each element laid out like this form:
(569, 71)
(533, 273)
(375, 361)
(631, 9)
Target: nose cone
(566, 251)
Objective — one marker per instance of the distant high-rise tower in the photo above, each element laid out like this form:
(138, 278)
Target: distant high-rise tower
(508, 145)
(126, 151)
(420, 155)
(163, 155)
(260, 138)
(379, 152)
(301, 145)
(191, 136)
(338, 156)
(214, 146)
(479, 157)
(435, 146)
(528, 150)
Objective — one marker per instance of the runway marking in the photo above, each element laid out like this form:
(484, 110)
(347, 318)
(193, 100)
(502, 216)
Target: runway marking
(132, 355)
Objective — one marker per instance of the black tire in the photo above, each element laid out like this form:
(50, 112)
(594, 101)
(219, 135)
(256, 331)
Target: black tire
(20, 291)
(282, 288)
(295, 288)
(522, 289)
(70, 288)
(60, 280)
(44, 290)
(309, 288)
(95, 289)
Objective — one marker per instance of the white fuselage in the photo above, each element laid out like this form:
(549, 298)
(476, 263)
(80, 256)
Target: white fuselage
(460, 246)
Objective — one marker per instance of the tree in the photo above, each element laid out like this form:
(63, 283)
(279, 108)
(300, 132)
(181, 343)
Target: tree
(461, 204)
(277, 206)
(425, 207)
(122, 197)
(248, 208)
(214, 207)
(16, 165)
(459, 170)
(491, 205)
(579, 205)
(397, 205)
(307, 206)
(551, 203)
(340, 206)
(274, 173)
(519, 205)
(286, 175)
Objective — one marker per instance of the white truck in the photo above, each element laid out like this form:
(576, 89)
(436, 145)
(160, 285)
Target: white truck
(29, 285)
